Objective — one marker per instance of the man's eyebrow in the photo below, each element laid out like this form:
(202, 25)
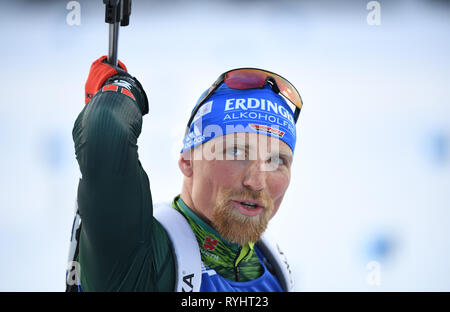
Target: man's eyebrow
(240, 144)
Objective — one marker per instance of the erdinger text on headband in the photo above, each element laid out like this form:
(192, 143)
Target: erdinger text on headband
(252, 78)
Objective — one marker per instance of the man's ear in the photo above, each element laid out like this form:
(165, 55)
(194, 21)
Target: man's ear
(186, 164)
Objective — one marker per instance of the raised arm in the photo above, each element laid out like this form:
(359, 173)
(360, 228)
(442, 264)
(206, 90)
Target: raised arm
(121, 246)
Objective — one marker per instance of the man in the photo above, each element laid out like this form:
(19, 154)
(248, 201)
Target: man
(236, 162)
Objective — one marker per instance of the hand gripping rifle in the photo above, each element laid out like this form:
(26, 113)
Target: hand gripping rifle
(117, 13)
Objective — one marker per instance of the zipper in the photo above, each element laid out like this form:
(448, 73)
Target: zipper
(236, 265)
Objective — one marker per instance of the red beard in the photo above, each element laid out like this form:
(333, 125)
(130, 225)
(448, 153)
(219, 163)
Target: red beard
(236, 227)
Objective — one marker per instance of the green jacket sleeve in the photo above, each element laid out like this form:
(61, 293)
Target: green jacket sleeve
(122, 247)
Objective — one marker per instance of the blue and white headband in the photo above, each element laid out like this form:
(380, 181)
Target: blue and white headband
(234, 111)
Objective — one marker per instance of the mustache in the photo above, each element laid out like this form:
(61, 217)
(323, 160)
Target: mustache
(249, 195)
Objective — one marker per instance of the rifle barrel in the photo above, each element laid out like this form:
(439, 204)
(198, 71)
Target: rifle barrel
(113, 42)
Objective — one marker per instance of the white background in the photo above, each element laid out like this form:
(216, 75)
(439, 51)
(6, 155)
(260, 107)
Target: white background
(371, 174)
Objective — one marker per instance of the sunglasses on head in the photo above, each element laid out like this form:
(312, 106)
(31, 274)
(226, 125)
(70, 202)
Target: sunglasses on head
(253, 78)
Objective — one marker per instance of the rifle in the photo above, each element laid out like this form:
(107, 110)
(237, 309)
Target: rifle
(117, 13)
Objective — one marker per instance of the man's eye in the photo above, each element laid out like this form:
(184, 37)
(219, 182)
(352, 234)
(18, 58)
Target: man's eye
(235, 152)
(276, 160)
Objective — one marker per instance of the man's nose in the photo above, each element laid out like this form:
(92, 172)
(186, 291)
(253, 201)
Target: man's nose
(255, 176)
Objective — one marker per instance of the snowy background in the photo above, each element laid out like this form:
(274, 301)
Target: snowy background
(368, 208)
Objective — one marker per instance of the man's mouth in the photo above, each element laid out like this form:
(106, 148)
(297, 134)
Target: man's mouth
(248, 208)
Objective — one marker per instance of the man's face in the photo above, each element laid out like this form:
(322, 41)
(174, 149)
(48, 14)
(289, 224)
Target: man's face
(238, 183)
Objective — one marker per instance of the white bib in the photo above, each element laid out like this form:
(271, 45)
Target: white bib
(187, 252)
